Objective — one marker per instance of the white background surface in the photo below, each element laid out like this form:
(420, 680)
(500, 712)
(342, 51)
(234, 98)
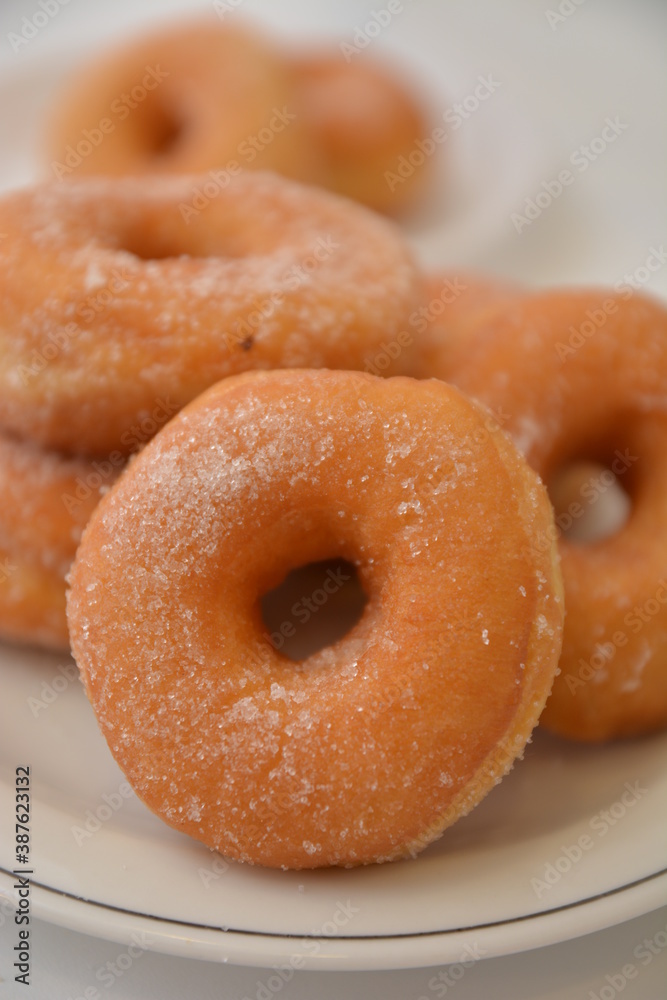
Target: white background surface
(605, 60)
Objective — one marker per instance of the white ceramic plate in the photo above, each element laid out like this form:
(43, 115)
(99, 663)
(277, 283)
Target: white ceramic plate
(103, 864)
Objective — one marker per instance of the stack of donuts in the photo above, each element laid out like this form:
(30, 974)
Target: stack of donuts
(191, 407)
(117, 311)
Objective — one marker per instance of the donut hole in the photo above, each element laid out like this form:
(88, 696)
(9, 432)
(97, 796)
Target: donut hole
(153, 240)
(315, 606)
(158, 237)
(157, 125)
(150, 246)
(162, 132)
(591, 499)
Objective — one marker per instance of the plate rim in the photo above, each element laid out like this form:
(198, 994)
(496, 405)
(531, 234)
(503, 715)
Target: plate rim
(423, 949)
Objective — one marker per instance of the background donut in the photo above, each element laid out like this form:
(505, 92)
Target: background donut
(581, 376)
(363, 120)
(189, 98)
(205, 96)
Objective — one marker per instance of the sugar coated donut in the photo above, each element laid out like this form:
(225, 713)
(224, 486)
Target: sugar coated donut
(582, 375)
(192, 97)
(362, 120)
(120, 297)
(366, 750)
(46, 502)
